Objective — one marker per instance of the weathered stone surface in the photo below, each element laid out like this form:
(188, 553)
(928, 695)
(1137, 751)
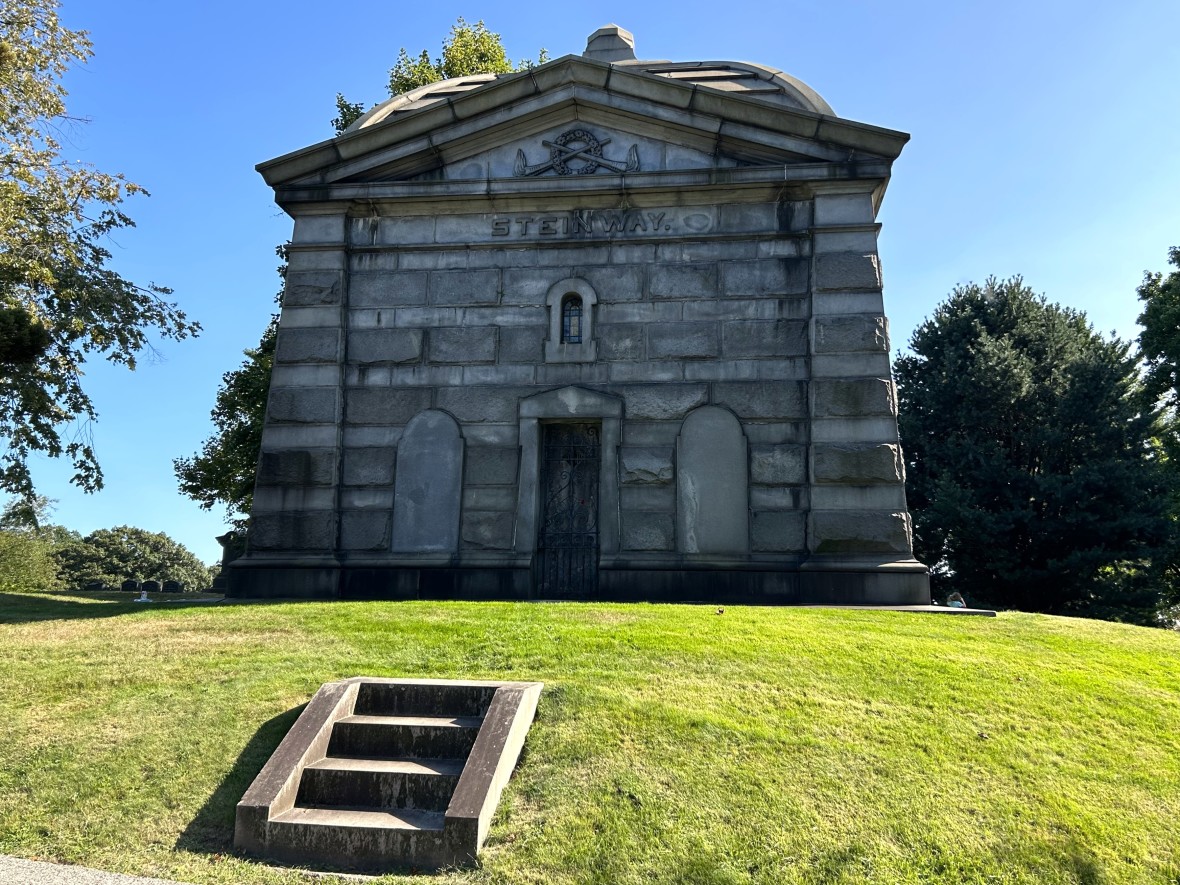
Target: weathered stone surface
(854, 397)
(297, 468)
(620, 341)
(853, 532)
(502, 498)
(645, 465)
(839, 209)
(838, 496)
(851, 463)
(648, 531)
(306, 405)
(480, 403)
(304, 288)
(851, 335)
(663, 400)
(487, 530)
(847, 270)
(379, 346)
(388, 289)
(764, 276)
(491, 465)
(307, 346)
(311, 531)
(464, 286)
(774, 338)
(777, 465)
(696, 280)
(428, 492)
(778, 497)
(654, 498)
(711, 484)
(521, 345)
(463, 345)
(686, 341)
(364, 530)
(778, 531)
(377, 405)
(369, 467)
(765, 399)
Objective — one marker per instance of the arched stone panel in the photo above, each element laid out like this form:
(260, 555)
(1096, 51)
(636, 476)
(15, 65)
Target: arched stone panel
(712, 480)
(428, 485)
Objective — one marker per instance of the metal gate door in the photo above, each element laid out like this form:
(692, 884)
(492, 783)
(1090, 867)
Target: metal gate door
(567, 544)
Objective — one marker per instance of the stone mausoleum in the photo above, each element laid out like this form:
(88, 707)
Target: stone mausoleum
(603, 329)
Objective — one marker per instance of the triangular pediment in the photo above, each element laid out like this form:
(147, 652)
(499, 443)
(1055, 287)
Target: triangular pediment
(578, 118)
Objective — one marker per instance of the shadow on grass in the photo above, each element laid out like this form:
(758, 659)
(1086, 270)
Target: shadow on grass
(212, 830)
(26, 608)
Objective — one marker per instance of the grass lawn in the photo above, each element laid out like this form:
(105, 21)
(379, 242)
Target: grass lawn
(672, 743)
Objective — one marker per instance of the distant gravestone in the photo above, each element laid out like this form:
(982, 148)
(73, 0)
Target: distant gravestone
(129, 586)
(150, 586)
(171, 586)
(94, 585)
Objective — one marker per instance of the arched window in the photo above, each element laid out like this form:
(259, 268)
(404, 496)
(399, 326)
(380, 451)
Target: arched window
(570, 303)
(571, 320)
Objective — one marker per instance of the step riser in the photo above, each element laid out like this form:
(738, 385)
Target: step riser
(390, 741)
(358, 848)
(375, 699)
(377, 790)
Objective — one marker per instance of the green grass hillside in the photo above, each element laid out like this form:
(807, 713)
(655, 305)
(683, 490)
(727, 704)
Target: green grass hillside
(672, 743)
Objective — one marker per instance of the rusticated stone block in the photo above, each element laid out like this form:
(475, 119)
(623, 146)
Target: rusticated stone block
(855, 334)
(847, 270)
(774, 338)
(306, 405)
(464, 287)
(648, 531)
(686, 341)
(521, 345)
(463, 345)
(297, 468)
(645, 465)
(857, 463)
(491, 465)
(369, 467)
(778, 531)
(764, 276)
(763, 399)
(364, 530)
(307, 346)
(620, 341)
(308, 288)
(697, 280)
(386, 289)
(382, 405)
(493, 404)
(660, 401)
(777, 465)
(854, 397)
(313, 530)
(377, 346)
(487, 530)
(858, 532)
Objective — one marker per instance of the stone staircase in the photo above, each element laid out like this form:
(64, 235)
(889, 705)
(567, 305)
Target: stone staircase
(381, 774)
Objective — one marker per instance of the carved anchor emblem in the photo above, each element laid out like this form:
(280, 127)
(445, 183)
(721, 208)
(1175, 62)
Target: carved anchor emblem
(576, 145)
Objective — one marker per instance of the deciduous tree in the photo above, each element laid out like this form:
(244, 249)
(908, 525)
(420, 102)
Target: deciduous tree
(1032, 476)
(60, 302)
(121, 553)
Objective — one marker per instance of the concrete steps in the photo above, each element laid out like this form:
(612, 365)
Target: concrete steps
(382, 774)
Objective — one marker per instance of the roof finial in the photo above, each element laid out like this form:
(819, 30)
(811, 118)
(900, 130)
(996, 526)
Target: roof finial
(611, 43)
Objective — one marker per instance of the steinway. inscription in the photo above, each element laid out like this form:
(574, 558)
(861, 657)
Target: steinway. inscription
(582, 223)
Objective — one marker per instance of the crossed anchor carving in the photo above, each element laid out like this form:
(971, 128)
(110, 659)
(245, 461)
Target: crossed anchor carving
(563, 150)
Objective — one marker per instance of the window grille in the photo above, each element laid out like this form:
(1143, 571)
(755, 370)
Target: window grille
(571, 320)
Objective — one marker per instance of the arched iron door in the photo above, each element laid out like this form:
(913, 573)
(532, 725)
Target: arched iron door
(567, 542)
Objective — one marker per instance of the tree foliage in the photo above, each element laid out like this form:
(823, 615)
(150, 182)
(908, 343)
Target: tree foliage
(112, 556)
(1032, 477)
(27, 563)
(1159, 342)
(468, 49)
(59, 301)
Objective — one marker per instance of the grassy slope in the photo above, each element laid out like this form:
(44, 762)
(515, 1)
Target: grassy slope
(673, 744)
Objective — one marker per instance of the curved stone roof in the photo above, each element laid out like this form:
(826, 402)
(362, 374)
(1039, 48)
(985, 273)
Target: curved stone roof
(736, 77)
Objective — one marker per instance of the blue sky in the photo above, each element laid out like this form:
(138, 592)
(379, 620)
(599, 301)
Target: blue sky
(1045, 142)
